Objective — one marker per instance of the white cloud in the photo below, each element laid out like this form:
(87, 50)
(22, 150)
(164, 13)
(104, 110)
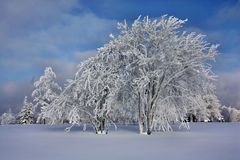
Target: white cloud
(85, 54)
(228, 88)
(229, 13)
(12, 94)
(32, 31)
(64, 69)
(27, 15)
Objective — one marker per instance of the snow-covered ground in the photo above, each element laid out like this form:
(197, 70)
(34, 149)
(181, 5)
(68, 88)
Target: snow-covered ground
(205, 141)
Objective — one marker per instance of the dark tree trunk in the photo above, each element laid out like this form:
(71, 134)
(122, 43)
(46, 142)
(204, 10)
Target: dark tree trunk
(102, 126)
(149, 132)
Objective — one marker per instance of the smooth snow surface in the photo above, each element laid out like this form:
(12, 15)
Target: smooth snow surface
(205, 141)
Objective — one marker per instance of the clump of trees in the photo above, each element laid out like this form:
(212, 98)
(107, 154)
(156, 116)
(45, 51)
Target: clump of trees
(230, 114)
(7, 118)
(151, 69)
(152, 73)
(207, 111)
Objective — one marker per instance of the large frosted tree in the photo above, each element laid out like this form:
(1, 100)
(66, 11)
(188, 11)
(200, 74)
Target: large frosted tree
(46, 90)
(165, 69)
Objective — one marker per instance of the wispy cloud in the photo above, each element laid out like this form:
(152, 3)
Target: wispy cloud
(12, 94)
(228, 89)
(35, 30)
(229, 13)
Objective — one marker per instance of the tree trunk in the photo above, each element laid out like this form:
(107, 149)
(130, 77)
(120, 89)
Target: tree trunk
(140, 118)
(102, 120)
(141, 125)
(149, 130)
(102, 126)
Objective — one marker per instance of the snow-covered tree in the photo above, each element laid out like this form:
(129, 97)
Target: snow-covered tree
(166, 69)
(8, 118)
(208, 109)
(46, 91)
(123, 106)
(212, 107)
(26, 115)
(197, 110)
(230, 114)
(86, 99)
(225, 113)
(234, 115)
(96, 80)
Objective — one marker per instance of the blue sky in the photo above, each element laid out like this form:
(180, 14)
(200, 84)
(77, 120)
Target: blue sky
(61, 33)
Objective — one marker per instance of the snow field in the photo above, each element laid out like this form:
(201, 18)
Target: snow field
(205, 141)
